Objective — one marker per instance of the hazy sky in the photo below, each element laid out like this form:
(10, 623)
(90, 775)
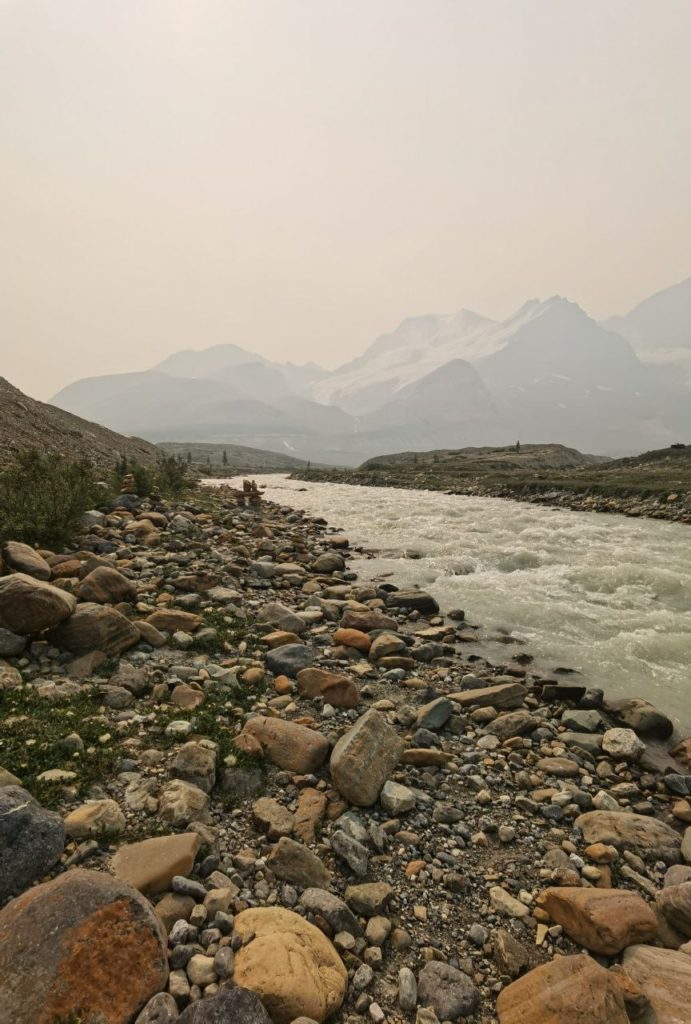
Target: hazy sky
(296, 176)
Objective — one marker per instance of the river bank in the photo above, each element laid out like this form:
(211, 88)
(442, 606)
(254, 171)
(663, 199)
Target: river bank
(323, 764)
(666, 502)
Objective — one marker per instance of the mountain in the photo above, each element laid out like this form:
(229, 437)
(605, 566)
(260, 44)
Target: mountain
(26, 423)
(418, 346)
(436, 381)
(660, 326)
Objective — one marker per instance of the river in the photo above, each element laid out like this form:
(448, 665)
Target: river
(602, 594)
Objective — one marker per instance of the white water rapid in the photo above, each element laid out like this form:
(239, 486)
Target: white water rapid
(602, 594)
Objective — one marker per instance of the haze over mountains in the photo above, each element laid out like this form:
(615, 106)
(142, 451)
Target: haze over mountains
(548, 373)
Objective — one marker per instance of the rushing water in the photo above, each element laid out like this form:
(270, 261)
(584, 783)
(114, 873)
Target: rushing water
(603, 594)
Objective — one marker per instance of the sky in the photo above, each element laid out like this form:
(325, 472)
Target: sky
(297, 176)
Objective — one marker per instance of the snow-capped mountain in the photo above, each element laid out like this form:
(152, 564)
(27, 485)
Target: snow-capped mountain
(549, 372)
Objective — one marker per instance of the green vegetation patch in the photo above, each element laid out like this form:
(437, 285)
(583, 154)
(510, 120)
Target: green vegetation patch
(32, 729)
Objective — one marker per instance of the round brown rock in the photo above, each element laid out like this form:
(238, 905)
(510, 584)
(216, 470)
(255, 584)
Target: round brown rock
(83, 944)
(30, 606)
(290, 964)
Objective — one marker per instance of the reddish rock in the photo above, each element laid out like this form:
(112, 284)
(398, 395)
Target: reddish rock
(605, 921)
(336, 690)
(569, 990)
(20, 557)
(353, 638)
(84, 944)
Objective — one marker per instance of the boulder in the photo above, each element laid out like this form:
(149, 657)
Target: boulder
(171, 620)
(11, 644)
(641, 716)
(328, 563)
(436, 714)
(605, 921)
(277, 615)
(335, 912)
(503, 695)
(20, 557)
(229, 1006)
(386, 644)
(293, 747)
(293, 862)
(417, 600)
(196, 763)
(107, 586)
(449, 992)
(363, 759)
(643, 835)
(161, 1009)
(623, 743)
(31, 840)
(675, 903)
(29, 606)
(94, 818)
(95, 627)
(367, 621)
(151, 864)
(290, 964)
(337, 690)
(67, 947)
(275, 819)
(181, 802)
(288, 659)
(354, 638)
(665, 978)
(569, 990)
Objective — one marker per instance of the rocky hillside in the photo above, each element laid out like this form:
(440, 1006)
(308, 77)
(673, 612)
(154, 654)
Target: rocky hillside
(237, 784)
(26, 423)
(238, 458)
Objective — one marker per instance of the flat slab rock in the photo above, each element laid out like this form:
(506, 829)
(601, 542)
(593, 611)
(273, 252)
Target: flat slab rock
(665, 977)
(605, 921)
(503, 695)
(569, 990)
(645, 836)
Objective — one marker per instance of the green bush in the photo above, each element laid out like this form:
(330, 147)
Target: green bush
(43, 498)
(171, 476)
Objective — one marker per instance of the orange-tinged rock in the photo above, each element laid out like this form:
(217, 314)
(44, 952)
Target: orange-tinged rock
(310, 811)
(336, 690)
(569, 990)
(280, 637)
(283, 685)
(85, 945)
(293, 747)
(150, 865)
(426, 756)
(187, 696)
(605, 921)
(414, 868)
(171, 620)
(353, 638)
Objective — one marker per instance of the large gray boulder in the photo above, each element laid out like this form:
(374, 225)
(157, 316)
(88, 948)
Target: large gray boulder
(31, 840)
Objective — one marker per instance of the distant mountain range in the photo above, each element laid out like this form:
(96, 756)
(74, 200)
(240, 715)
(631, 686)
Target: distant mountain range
(550, 372)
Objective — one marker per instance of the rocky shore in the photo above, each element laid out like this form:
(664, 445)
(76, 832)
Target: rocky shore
(672, 505)
(240, 786)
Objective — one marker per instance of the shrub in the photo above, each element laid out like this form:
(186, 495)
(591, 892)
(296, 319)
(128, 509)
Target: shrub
(171, 475)
(44, 496)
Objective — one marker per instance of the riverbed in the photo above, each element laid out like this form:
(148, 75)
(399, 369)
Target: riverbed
(606, 596)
